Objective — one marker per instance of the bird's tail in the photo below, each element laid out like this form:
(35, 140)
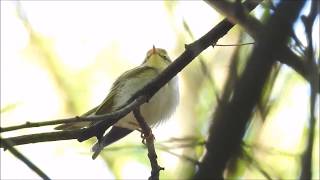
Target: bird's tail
(112, 136)
(77, 125)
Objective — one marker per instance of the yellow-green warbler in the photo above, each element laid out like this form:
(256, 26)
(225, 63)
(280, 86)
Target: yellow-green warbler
(159, 108)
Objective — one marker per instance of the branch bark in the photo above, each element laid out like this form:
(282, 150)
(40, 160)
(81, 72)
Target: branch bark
(112, 117)
(8, 145)
(149, 137)
(306, 172)
(42, 137)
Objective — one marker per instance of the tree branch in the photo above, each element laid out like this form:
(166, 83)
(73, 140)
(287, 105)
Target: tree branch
(9, 145)
(42, 137)
(42, 123)
(112, 117)
(230, 119)
(238, 15)
(148, 136)
(306, 172)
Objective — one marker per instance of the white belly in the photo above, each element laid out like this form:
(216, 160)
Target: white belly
(159, 108)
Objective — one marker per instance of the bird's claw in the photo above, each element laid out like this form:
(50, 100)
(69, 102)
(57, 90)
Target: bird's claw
(146, 136)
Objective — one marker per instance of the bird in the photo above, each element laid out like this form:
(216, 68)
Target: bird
(158, 109)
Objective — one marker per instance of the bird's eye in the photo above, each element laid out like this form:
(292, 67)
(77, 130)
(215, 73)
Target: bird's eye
(165, 57)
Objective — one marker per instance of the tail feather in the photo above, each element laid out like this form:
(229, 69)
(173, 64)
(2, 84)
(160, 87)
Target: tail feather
(112, 136)
(77, 125)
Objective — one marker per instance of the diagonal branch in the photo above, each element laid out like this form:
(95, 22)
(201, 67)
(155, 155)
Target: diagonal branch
(142, 96)
(8, 145)
(253, 27)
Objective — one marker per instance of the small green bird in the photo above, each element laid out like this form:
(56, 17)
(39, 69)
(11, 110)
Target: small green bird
(159, 108)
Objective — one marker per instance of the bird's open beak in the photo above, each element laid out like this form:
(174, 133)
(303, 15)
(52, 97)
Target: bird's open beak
(153, 50)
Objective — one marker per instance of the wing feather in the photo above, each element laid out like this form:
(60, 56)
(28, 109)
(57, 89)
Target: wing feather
(108, 105)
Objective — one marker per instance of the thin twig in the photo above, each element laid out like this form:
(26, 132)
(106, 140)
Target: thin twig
(146, 130)
(113, 116)
(9, 145)
(182, 156)
(165, 148)
(174, 143)
(251, 161)
(270, 150)
(42, 123)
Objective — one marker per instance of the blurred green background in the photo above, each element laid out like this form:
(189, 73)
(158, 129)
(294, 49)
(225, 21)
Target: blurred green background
(58, 59)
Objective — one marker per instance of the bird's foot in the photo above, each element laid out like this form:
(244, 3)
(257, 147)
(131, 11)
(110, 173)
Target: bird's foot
(147, 136)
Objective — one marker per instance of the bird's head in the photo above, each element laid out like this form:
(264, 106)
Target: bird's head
(157, 58)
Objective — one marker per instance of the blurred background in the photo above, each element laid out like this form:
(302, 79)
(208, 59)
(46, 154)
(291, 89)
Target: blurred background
(59, 59)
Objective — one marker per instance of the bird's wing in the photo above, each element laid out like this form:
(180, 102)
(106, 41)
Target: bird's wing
(90, 112)
(108, 104)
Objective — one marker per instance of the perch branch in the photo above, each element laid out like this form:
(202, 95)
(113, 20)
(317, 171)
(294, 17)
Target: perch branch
(42, 137)
(113, 116)
(146, 130)
(42, 123)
